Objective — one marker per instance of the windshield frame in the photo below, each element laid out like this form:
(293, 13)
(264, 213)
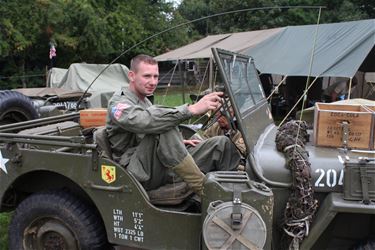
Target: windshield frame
(253, 118)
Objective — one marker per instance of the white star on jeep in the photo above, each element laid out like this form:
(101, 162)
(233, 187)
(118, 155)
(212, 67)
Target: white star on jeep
(3, 161)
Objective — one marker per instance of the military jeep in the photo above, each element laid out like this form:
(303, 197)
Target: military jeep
(67, 193)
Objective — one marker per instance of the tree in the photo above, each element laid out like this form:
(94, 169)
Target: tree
(334, 11)
(19, 33)
(93, 31)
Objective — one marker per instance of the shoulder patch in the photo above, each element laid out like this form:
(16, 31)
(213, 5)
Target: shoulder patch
(117, 110)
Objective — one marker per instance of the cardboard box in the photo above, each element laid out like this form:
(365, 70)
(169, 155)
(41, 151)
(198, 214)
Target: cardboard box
(92, 117)
(328, 128)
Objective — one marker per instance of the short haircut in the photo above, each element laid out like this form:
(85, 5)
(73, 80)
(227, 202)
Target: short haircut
(134, 63)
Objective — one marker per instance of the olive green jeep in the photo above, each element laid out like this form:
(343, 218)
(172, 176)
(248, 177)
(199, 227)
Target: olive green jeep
(67, 192)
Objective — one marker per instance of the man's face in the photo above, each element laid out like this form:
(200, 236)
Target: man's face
(223, 122)
(144, 79)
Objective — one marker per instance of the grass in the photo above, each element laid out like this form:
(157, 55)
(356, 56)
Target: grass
(4, 222)
(171, 100)
(173, 96)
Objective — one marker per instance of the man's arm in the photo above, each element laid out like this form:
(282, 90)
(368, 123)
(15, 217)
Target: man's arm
(208, 102)
(152, 120)
(158, 119)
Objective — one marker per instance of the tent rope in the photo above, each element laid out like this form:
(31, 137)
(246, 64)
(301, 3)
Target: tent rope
(169, 83)
(277, 86)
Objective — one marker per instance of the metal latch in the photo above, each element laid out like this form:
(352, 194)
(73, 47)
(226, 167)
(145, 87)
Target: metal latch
(345, 133)
(364, 183)
(236, 215)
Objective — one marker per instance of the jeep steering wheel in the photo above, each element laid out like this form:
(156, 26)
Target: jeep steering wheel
(225, 111)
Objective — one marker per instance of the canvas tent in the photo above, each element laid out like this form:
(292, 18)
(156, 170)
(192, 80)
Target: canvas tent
(80, 75)
(236, 42)
(201, 49)
(340, 50)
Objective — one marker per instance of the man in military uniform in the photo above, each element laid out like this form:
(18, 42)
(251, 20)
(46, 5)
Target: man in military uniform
(222, 127)
(145, 139)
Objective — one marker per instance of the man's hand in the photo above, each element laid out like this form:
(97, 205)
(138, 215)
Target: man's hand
(193, 142)
(208, 102)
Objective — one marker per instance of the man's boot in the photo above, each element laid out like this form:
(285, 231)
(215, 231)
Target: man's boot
(188, 170)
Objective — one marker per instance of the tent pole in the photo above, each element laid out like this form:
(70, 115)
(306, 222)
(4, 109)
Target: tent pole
(350, 88)
(182, 80)
(210, 75)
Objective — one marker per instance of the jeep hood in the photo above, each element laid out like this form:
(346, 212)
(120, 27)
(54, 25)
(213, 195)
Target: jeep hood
(326, 167)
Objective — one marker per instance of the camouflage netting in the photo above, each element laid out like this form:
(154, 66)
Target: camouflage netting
(301, 206)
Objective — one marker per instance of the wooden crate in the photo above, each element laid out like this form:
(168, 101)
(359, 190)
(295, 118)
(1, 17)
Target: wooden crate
(92, 117)
(372, 110)
(328, 120)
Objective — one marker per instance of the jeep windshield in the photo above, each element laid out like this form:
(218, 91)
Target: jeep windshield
(243, 82)
(246, 94)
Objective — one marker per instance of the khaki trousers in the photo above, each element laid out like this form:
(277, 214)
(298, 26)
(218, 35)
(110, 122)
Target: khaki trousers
(155, 156)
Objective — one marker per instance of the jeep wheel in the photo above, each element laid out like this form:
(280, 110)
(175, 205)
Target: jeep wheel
(15, 107)
(56, 220)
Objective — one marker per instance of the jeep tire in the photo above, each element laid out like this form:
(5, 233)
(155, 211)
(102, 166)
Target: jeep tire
(56, 220)
(15, 107)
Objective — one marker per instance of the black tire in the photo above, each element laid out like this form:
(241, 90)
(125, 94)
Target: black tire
(16, 107)
(56, 220)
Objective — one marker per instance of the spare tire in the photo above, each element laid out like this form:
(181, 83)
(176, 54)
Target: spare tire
(16, 107)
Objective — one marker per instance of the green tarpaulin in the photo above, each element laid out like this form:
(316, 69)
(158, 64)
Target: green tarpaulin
(80, 75)
(340, 50)
(235, 42)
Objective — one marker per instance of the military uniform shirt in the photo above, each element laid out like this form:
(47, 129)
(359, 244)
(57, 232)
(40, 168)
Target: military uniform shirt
(129, 119)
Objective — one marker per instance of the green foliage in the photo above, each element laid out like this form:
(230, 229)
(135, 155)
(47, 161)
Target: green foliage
(194, 9)
(367, 7)
(97, 31)
(93, 31)
(333, 11)
(4, 222)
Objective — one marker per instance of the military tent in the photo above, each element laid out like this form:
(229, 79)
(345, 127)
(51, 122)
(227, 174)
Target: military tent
(236, 42)
(340, 49)
(335, 49)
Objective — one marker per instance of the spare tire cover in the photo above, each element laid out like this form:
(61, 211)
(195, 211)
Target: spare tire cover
(15, 107)
(218, 233)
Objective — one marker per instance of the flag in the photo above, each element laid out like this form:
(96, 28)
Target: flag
(52, 52)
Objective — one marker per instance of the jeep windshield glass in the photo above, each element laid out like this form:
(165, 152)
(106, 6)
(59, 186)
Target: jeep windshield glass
(244, 82)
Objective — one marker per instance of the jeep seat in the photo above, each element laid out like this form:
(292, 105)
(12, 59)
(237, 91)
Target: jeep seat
(101, 139)
(169, 194)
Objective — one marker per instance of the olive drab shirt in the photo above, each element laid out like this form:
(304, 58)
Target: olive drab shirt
(236, 137)
(129, 119)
